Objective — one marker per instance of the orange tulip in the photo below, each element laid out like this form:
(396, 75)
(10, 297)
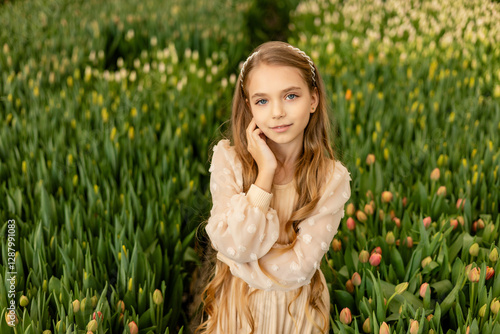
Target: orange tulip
(384, 328)
(423, 289)
(345, 316)
(387, 196)
(474, 275)
(370, 159)
(133, 327)
(490, 272)
(356, 279)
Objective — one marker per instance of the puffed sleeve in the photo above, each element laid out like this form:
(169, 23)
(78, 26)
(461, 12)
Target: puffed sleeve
(282, 269)
(242, 227)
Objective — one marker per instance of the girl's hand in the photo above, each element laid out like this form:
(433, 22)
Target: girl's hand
(260, 151)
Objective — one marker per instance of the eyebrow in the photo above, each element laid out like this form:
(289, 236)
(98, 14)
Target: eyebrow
(283, 91)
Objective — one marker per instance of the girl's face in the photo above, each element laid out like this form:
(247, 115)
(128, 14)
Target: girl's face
(280, 102)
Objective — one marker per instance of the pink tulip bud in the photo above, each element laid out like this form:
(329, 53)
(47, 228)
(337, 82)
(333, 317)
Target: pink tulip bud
(11, 318)
(345, 316)
(435, 174)
(97, 315)
(367, 328)
(427, 222)
(460, 203)
(423, 289)
(441, 191)
(474, 275)
(413, 326)
(490, 272)
(377, 250)
(361, 216)
(356, 279)
(468, 269)
(386, 196)
(350, 210)
(397, 221)
(405, 201)
(133, 327)
(370, 159)
(375, 259)
(364, 256)
(351, 224)
(369, 194)
(336, 245)
(409, 242)
(369, 209)
(474, 227)
(480, 224)
(384, 328)
(120, 306)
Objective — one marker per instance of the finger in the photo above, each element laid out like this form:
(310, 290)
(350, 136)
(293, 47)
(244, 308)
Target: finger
(259, 135)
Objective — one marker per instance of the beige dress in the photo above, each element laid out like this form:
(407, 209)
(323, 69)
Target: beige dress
(246, 232)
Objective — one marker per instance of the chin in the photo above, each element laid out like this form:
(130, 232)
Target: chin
(280, 140)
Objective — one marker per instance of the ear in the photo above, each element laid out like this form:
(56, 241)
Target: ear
(314, 99)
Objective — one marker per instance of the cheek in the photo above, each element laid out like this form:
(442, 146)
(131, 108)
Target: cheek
(259, 120)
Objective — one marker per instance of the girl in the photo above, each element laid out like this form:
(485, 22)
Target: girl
(278, 197)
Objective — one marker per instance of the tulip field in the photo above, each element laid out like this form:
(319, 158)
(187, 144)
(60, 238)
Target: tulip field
(108, 111)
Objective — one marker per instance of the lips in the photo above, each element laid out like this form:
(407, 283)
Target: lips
(282, 128)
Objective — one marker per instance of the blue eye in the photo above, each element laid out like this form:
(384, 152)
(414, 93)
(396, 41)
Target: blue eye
(294, 95)
(259, 102)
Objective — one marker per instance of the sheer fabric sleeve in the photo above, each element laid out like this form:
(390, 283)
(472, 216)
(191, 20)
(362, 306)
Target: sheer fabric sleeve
(242, 227)
(281, 269)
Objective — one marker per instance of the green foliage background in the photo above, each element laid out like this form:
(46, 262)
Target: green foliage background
(109, 109)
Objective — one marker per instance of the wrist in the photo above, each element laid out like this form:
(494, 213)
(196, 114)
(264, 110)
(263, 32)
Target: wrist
(265, 180)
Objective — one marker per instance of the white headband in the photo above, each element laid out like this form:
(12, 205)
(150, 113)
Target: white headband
(302, 53)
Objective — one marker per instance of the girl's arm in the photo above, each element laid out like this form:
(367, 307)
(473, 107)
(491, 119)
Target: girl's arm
(289, 269)
(242, 227)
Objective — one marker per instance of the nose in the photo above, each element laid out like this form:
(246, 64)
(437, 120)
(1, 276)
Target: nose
(278, 110)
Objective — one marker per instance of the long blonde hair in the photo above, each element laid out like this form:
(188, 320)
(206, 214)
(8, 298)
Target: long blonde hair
(310, 169)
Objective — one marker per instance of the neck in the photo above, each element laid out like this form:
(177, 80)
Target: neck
(286, 154)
